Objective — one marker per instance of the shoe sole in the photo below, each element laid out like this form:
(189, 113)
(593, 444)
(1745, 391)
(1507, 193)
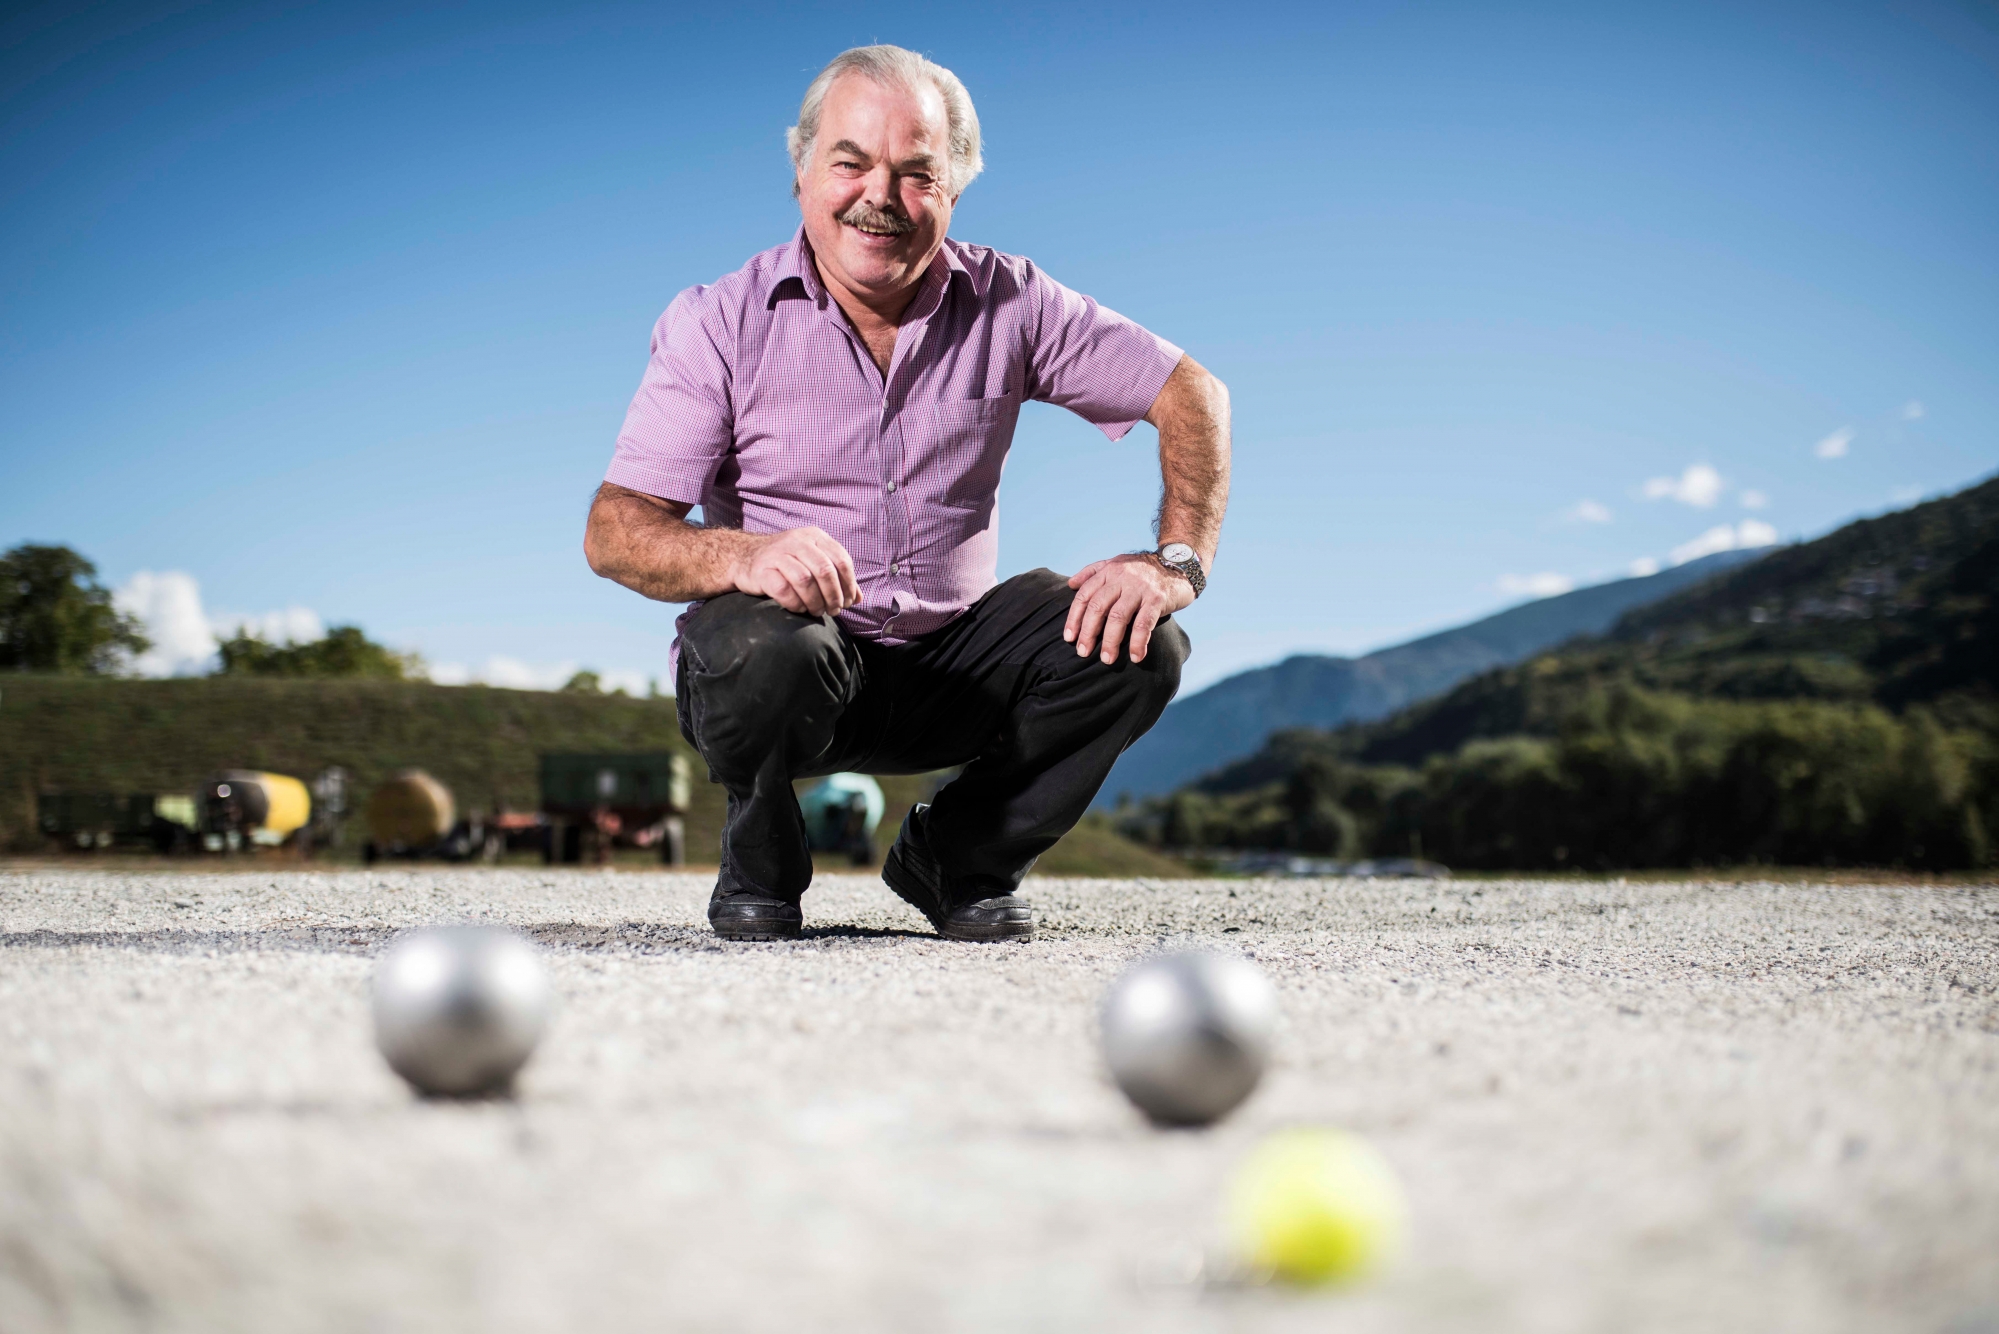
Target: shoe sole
(892, 871)
(786, 931)
(988, 934)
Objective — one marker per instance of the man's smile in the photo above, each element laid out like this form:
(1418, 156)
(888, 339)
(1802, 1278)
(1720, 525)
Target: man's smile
(881, 223)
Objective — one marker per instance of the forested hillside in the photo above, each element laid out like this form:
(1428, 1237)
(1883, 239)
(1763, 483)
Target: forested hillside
(1833, 702)
(1234, 716)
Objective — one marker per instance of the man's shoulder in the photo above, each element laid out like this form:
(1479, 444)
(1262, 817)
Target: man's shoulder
(760, 276)
(750, 286)
(995, 272)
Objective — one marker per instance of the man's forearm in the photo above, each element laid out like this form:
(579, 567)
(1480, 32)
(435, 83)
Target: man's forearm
(647, 544)
(1192, 414)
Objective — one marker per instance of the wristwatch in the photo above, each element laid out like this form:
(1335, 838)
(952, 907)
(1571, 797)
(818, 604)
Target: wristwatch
(1180, 558)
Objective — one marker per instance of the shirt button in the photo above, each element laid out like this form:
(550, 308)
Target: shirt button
(891, 486)
(895, 568)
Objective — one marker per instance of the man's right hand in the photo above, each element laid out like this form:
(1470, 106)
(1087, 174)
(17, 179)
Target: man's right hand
(802, 570)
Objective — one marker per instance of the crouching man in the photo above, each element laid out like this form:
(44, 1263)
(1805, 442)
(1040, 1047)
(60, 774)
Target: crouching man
(840, 408)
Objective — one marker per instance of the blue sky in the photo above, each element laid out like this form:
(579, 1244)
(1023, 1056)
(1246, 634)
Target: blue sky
(337, 308)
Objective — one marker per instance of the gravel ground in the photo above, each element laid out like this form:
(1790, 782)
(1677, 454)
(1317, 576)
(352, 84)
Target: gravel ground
(1616, 1106)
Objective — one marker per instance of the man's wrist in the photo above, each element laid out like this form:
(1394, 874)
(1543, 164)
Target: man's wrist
(1180, 558)
(740, 551)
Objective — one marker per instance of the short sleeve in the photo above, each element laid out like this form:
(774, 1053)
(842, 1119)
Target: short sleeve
(1091, 360)
(681, 423)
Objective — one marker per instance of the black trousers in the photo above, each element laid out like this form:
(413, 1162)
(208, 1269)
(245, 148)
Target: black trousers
(768, 695)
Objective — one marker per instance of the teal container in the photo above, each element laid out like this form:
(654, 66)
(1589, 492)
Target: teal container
(842, 812)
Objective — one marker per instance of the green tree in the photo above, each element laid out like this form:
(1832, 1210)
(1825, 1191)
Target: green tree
(1319, 823)
(345, 652)
(585, 682)
(55, 617)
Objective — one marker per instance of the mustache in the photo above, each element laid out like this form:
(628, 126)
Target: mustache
(871, 219)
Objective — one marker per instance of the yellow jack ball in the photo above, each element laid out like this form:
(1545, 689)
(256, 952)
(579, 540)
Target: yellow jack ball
(1317, 1206)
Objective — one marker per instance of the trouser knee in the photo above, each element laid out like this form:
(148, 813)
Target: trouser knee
(1158, 673)
(755, 677)
(1164, 658)
(1144, 688)
(1137, 692)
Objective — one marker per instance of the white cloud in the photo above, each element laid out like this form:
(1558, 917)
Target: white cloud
(1544, 585)
(1912, 411)
(1754, 500)
(1699, 486)
(293, 625)
(1719, 538)
(168, 604)
(1589, 511)
(1834, 445)
(514, 674)
(1906, 495)
(1748, 534)
(1753, 533)
(632, 683)
(1643, 566)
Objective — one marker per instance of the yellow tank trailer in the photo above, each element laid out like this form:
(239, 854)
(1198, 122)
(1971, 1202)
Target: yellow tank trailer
(246, 807)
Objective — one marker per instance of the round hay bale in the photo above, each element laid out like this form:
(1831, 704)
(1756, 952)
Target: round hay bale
(411, 810)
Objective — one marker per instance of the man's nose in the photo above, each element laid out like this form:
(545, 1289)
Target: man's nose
(880, 191)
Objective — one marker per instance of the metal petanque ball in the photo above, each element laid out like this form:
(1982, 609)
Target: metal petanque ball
(458, 1009)
(1186, 1035)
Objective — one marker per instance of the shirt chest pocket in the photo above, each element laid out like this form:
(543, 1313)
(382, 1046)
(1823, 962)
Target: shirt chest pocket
(960, 449)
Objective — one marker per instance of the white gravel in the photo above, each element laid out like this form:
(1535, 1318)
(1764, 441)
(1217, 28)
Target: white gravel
(1644, 1106)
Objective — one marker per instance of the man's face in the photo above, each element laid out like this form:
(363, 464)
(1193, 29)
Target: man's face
(873, 190)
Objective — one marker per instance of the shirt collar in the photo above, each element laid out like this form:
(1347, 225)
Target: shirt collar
(794, 264)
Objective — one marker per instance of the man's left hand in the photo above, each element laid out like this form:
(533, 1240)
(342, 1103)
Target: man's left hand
(1124, 593)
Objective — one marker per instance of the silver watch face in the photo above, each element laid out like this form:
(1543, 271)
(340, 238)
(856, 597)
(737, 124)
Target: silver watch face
(1176, 553)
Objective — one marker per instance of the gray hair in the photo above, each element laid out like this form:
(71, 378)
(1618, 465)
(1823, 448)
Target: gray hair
(894, 66)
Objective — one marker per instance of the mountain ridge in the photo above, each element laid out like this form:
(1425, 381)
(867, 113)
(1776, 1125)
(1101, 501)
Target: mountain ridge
(1233, 717)
(1897, 609)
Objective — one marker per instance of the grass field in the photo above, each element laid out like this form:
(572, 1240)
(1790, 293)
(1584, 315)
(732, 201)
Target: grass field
(107, 735)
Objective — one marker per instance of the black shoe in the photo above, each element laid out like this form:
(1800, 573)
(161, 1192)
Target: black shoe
(912, 873)
(748, 915)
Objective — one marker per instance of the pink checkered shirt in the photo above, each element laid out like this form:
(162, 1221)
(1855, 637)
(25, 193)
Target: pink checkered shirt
(763, 406)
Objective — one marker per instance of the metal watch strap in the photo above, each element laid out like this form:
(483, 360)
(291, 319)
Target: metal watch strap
(1190, 570)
